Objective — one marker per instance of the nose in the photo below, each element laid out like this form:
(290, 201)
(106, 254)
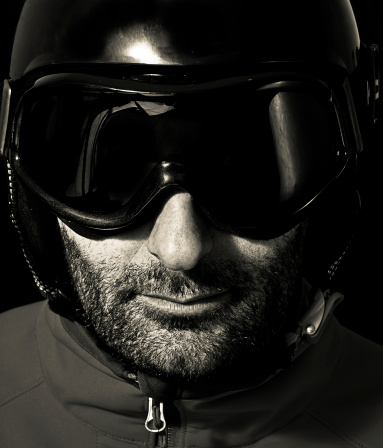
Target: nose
(180, 236)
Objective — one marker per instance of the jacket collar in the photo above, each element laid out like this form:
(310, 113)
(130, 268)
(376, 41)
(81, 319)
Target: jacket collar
(89, 390)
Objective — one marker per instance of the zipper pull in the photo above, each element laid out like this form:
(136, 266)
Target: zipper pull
(155, 422)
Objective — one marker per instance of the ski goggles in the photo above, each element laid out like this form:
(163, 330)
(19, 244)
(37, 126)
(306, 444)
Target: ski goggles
(251, 153)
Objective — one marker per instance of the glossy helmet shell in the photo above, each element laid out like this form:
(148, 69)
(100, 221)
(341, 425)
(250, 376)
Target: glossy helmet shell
(178, 40)
(191, 33)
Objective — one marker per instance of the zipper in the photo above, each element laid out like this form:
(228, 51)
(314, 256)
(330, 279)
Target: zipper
(155, 421)
(156, 424)
(163, 434)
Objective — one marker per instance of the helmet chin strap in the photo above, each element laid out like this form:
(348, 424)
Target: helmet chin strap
(313, 322)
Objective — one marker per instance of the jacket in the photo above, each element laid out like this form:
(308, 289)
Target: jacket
(55, 393)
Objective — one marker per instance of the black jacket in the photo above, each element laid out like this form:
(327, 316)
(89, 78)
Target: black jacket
(54, 393)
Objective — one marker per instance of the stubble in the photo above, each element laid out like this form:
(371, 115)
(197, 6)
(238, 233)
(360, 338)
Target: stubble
(265, 301)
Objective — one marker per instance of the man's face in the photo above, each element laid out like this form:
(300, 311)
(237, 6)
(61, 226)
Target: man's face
(180, 298)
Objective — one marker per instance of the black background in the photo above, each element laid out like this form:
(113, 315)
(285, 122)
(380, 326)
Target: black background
(360, 278)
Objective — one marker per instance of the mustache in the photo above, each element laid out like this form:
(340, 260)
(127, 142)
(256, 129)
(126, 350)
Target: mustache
(209, 276)
(205, 278)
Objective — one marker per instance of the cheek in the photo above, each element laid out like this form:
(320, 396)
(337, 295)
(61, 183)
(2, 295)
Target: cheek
(238, 248)
(109, 250)
(261, 251)
(256, 250)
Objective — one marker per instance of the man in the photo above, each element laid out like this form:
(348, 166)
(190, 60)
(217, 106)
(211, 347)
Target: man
(172, 167)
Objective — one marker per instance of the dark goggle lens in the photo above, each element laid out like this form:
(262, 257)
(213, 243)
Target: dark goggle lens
(245, 153)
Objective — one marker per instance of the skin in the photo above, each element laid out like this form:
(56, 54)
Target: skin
(178, 298)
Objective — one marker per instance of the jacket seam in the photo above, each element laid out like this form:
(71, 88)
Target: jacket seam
(82, 346)
(111, 436)
(77, 418)
(325, 383)
(183, 423)
(318, 417)
(284, 425)
(20, 392)
(334, 429)
(34, 384)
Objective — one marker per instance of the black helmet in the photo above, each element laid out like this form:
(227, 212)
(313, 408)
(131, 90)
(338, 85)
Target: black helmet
(110, 104)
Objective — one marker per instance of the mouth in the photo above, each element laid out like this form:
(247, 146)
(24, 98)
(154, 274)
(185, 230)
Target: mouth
(186, 305)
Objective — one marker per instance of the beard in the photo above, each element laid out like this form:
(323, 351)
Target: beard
(244, 332)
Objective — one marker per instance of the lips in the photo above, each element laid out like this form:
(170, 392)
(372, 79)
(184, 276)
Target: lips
(186, 304)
